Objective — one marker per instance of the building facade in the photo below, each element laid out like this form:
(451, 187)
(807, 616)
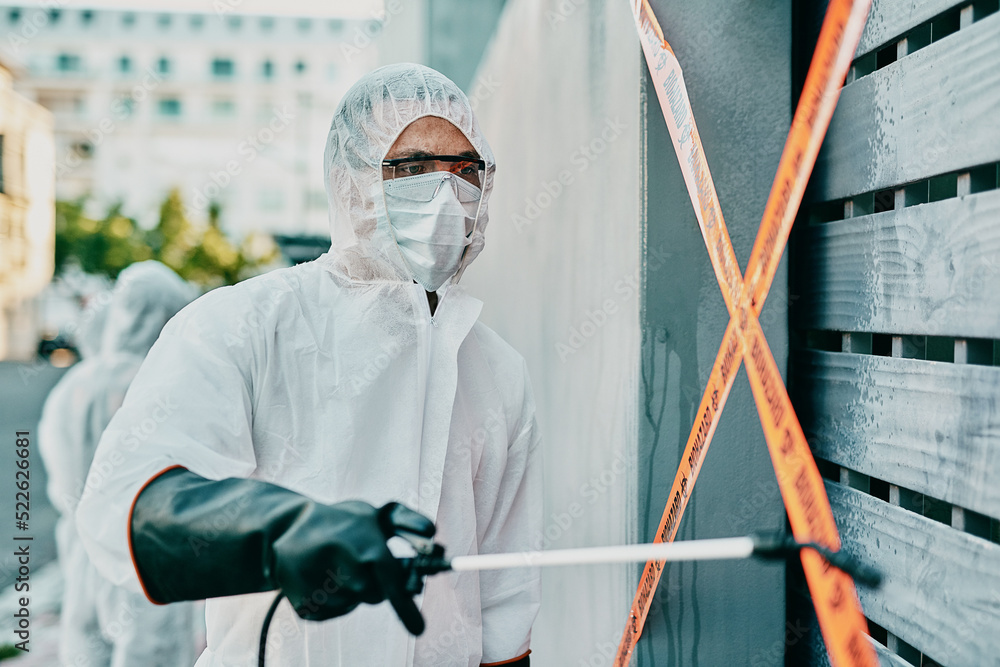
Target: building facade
(27, 222)
(231, 109)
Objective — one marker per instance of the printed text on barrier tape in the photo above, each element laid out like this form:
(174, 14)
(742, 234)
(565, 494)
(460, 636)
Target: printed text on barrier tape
(798, 478)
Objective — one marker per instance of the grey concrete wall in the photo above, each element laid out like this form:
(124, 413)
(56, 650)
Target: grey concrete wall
(736, 62)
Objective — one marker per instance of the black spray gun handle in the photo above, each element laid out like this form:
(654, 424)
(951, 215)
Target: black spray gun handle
(429, 560)
(399, 521)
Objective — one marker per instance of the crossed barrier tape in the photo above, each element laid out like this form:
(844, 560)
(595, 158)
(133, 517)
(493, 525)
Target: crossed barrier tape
(834, 596)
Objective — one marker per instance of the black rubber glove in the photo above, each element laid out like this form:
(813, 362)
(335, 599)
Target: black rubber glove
(193, 538)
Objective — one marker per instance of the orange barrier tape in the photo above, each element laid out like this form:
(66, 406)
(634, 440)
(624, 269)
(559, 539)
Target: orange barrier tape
(801, 486)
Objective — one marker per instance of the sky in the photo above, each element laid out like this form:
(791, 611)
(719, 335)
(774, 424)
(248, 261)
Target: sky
(320, 8)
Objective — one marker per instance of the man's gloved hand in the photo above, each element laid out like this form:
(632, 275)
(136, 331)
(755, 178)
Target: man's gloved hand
(335, 557)
(193, 538)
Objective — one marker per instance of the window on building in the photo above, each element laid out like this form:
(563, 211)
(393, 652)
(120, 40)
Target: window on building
(68, 62)
(305, 25)
(336, 26)
(235, 22)
(223, 108)
(14, 15)
(169, 107)
(86, 17)
(54, 16)
(128, 20)
(123, 107)
(163, 66)
(197, 21)
(267, 23)
(300, 66)
(267, 69)
(124, 64)
(164, 20)
(223, 68)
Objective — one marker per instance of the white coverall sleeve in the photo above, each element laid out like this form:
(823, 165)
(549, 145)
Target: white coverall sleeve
(510, 598)
(190, 406)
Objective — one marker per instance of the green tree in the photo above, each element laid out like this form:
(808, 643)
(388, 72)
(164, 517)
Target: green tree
(202, 254)
(104, 246)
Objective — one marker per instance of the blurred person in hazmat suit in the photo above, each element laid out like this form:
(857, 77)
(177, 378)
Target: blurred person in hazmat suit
(102, 624)
(282, 429)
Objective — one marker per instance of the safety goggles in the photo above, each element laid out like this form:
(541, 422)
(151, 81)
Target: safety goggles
(472, 170)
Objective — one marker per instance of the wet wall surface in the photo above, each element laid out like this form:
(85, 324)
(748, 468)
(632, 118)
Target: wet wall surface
(736, 63)
(559, 279)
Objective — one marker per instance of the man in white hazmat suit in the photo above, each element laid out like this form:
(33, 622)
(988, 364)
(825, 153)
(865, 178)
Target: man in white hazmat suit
(103, 625)
(273, 418)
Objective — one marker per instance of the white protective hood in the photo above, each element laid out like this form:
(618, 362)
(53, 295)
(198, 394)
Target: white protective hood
(89, 335)
(370, 118)
(114, 340)
(331, 379)
(146, 295)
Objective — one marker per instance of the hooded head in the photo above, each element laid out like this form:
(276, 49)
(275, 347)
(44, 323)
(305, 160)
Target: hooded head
(372, 115)
(90, 331)
(145, 297)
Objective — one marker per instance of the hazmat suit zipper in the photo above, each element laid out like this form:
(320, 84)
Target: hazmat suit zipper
(437, 308)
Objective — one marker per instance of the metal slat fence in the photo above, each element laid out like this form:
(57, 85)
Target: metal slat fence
(895, 294)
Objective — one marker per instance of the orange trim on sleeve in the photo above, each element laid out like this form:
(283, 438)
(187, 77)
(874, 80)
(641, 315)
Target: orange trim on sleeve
(131, 509)
(506, 662)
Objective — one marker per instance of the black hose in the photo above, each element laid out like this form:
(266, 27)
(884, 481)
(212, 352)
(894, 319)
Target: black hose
(264, 628)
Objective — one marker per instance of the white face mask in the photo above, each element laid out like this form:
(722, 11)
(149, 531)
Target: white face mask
(432, 216)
